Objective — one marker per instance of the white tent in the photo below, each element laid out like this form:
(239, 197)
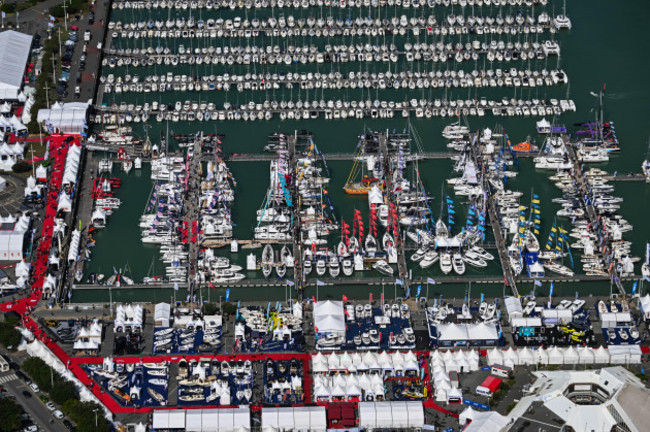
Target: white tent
(329, 318)
(571, 356)
(495, 356)
(511, 357)
(644, 305)
(391, 415)
(601, 355)
(297, 418)
(513, 307)
(162, 315)
(489, 421)
(68, 117)
(586, 355)
(555, 356)
(526, 357)
(14, 52)
(203, 420)
(624, 354)
(542, 356)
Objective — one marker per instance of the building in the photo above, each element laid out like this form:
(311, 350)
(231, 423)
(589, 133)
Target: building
(14, 53)
(609, 400)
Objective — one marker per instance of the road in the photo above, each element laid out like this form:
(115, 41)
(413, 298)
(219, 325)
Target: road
(38, 412)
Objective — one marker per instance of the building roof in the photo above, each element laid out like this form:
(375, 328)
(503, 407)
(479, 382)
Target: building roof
(14, 52)
(620, 390)
(635, 401)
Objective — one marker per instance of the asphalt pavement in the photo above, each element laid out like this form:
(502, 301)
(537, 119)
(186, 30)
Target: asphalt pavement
(33, 406)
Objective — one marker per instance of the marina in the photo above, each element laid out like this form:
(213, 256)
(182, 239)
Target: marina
(435, 210)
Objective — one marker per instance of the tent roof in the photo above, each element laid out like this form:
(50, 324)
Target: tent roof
(14, 52)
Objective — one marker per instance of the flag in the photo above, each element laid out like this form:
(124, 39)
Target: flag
(538, 283)
(431, 281)
(370, 297)
(211, 286)
(228, 294)
(399, 281)
(345, 298)
(313, 298)
(320, 282)
(290, 283)
(175, 286)
(382, 298)
(550, 294)
(419, 291)
(268, 309)
(634, 287)
(408, 292)
(482, 297)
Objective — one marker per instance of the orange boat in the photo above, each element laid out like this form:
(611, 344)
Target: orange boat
(363, 187)
(524, 147)
(122, 395)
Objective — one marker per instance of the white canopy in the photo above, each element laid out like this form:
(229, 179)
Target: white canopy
(392, 415)
(311, 418)
(14, 52)
(644, 305)
(68, 117)
(162, 315)
(203, 420)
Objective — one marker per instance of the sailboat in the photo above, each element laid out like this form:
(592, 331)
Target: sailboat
(366, 171)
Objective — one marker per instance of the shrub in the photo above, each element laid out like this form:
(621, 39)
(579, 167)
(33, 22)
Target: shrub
(21, 167)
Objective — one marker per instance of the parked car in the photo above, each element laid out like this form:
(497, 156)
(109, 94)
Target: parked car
(87, 35)
(27, 394)
(58, 414)
(34, 387)
(50, 406)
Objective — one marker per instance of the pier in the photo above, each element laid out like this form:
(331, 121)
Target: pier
(192, 210)
(373, 281)
(591, 214)
(298, 277)
(402, 269)
(500, 243)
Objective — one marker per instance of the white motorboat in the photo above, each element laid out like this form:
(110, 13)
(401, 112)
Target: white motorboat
(474, 260)
(370, 245)
(347, 266)
(482, 253)
(429, 259)
(446, 264)
(321, 267)
(383, 267)
(418, 255)
(267, 260)
(334, 266)
(458, 264)
(558, 268)
(281, 270)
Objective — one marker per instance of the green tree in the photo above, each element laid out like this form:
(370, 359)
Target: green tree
(40, 372)
(9, 336)
(10, 413)
(63, 391)
(84, 415)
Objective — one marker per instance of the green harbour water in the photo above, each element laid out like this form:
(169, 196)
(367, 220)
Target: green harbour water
(607, 44)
